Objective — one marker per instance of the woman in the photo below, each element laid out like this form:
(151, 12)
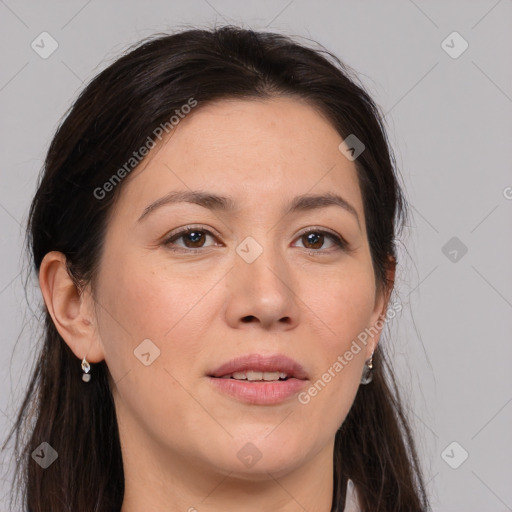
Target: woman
(214, 236)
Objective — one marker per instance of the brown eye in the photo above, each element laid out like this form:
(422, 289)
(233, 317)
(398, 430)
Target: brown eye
(195, 238)
(314, 241)
(192, 238)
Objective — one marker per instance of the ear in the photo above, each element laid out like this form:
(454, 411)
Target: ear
(72, 311)
(381, 305)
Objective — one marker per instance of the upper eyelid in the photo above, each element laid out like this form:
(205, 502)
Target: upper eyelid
(178, 232)
(319, 229)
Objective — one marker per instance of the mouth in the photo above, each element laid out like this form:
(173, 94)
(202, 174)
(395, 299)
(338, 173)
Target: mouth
(258, 379)
(258, 367)
(257, 376)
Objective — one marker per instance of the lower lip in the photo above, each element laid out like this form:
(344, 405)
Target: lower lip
(259, 393)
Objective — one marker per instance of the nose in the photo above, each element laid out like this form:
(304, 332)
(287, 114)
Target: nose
(262, 292)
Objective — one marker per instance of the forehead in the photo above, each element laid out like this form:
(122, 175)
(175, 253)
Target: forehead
(258, 151)
(257, 130)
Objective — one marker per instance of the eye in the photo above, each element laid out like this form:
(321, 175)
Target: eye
(193, 238)
(315, 239)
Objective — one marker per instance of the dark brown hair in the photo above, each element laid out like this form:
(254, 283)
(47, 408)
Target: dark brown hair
(113, 116)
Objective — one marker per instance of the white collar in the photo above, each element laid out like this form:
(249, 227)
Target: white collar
(352, 500)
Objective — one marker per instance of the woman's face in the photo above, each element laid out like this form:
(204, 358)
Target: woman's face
(257, 279)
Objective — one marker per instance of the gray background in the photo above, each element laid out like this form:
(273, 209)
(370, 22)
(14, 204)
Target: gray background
(450, 123)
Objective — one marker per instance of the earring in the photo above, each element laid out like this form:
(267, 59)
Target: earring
(367, 376)
(86, 367)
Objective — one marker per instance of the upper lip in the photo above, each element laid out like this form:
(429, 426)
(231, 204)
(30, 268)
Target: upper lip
(261, 363)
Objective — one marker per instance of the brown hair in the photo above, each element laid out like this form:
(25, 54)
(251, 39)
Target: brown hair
(113, 116)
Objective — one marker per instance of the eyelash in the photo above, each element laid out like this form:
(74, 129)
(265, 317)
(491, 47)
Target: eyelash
(338, 241)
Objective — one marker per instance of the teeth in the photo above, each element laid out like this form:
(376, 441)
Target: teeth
(270, 375)
(255, 376)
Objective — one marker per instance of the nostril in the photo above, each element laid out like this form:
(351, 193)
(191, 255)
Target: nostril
(248, 319)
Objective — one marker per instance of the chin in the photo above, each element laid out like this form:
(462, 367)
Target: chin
(256, 458)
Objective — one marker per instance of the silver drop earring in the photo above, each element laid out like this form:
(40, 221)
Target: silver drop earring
(367, 376)
(86, 367)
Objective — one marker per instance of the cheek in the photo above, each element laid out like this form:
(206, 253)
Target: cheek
(341, 309)
(140, 302)
(344, 303)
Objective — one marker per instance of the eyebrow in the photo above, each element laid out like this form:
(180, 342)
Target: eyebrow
(214, 202)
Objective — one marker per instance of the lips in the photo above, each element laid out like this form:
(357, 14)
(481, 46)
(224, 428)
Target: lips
(260, 363)
(228, 379)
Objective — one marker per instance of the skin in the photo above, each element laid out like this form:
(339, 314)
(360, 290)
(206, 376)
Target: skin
(179, 435)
